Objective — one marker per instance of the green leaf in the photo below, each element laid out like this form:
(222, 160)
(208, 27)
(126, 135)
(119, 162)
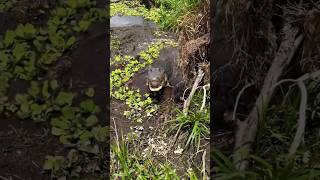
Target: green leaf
(57, 132)
(61, 123)
(57, 41)
(64, 139)
(61, 12)
(37, 109)
(49, 57)
(71, 41)
(100, 133)
(91, 120)
(19, 51)
(21, 98)
(25, 107)
(34, 90)
(69, 112)
(88, 105)
(64, 98)
(83, 25)
(90, 149)
(45, 89)
(54, 163)
(29, 30)
(4, 56)
(9, 38)
(85, 136)
(54, 84)
(89, 92)
(20, 31)
(72, 3)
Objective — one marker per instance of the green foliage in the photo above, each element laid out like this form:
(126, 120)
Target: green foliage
(286, 169)
(25, 53)
(132, 166)
(139, 106)
(6, 5)
(166, 14)
(196, 122)
(270, 159)
(66, 167)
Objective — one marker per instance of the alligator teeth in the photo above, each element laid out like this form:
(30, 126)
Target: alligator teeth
(155, 89)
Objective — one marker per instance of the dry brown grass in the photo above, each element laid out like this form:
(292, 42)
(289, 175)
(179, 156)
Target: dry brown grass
(311, 50)
(194, 39)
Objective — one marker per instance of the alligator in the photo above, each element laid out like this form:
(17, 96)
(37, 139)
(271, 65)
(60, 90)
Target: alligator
(164, 72)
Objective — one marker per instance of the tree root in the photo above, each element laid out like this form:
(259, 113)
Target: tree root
(246, 132)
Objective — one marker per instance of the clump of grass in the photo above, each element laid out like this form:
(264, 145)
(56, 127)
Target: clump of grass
(196, 122)
(172, 10)
(286, 168)
(166, 13)
(126, 164)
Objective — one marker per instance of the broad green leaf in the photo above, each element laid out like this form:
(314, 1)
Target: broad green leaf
(25, 107)
(20, 31)
(69, 112)
(57, 41)
(9, 38)
(100, 133)
(64, 98)
(72, 3)
(45, 89)
(19, 51)
(61, 123)
(88, 105)
(71, 41)
(54, 163)
(91, 120)
(65, 139)
(89, 92)
(21, 98)
(4, 57)
(54, 84)
(85, 136)
(29, 30)
(34, 90)
(90, 149)
(57, 131)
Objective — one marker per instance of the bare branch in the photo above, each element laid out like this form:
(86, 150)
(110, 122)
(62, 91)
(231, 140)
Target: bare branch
(194, 87)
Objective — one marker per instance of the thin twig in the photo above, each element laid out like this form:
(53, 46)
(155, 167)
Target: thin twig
(195, 85)
(204, 96)
(237, 100)
(302, 119)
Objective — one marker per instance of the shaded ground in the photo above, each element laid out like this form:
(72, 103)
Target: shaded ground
(23, 147)
(24, 144)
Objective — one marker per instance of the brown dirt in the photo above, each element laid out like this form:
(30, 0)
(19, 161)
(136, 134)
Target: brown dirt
(23, 147)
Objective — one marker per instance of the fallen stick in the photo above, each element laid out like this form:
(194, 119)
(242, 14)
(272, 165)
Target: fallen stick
(246, 132)
(204, 96)
(187, 102)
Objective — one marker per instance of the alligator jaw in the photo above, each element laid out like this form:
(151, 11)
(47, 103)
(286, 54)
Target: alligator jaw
(155, 89)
